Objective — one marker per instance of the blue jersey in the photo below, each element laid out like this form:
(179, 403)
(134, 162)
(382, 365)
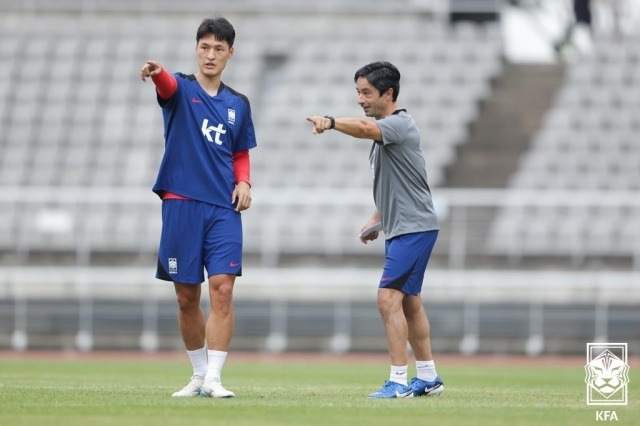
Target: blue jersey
(202, 133)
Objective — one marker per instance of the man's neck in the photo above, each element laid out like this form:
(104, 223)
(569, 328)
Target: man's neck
(211, 85)
(388, 111)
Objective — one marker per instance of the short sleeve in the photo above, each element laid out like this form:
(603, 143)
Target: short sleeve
(393, 128)
(247, 136)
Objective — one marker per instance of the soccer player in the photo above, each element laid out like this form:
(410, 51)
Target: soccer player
(204, 184)
(405, 209)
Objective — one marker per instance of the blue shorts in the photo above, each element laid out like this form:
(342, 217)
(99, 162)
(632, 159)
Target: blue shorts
(406, 261)
(195, 236)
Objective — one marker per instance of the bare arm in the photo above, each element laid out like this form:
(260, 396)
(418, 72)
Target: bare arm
(357, 127)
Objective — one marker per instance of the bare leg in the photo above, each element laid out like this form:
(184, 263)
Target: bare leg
(220, 323)
(395, 325)
(418, 327)
(190, 316)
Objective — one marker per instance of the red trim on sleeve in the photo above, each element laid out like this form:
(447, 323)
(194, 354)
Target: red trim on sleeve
(242, 167)
(166, 84)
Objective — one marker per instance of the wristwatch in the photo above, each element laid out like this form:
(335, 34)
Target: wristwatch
(332, 120)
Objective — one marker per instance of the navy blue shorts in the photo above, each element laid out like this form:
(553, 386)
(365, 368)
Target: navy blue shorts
(406, 261)
(195, 236)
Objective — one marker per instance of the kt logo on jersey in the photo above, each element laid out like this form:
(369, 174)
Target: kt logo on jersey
(206, 131)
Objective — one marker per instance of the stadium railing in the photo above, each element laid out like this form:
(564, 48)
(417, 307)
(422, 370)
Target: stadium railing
(325, 298)
(325, 221)
(321, 309)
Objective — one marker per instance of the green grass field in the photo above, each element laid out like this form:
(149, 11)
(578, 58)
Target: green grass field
(138, 393)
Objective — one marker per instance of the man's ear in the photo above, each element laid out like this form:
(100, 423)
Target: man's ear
(231, 52)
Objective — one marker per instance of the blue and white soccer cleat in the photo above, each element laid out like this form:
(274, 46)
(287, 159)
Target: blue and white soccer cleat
(422, 387)
(393, 390)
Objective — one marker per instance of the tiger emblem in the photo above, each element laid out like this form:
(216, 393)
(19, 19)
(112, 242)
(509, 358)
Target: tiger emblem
(607, 374)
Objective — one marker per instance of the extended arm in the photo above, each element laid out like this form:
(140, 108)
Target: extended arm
(166, 84)
(357, 127)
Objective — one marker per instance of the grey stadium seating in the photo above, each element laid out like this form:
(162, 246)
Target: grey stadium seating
(587, 142)
(74, 114)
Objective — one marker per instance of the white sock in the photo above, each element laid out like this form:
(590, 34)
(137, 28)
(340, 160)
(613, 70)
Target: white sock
(426, 370)
(199, 361)
(399, 374)
(216, 361)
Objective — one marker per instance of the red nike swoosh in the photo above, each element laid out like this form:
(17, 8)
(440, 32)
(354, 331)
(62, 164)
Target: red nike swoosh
(196, 101)
(233, 265)
(385, 278)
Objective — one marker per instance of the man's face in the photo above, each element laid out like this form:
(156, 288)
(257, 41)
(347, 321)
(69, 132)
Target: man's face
(370, 100)
(212, 55)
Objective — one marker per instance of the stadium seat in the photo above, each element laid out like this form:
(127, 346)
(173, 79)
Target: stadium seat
(586, 143)
(98, 125)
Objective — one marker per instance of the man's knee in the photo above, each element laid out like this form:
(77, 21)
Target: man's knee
(221, 292)
(188, 297)
(221, 285)
(412, 307)
(389, 301)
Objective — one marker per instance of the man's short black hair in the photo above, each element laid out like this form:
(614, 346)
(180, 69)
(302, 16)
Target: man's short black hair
(381, 75)
(221, 29)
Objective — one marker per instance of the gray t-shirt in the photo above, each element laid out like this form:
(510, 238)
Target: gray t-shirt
(400, 188)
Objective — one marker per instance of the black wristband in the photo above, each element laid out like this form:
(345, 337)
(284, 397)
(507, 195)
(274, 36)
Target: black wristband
(332, 120)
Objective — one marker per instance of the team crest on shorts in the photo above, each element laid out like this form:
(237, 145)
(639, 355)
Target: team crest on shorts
(231, 116)
(173, 265)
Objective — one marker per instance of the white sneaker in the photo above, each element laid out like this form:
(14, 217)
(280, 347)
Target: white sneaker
(215, 390)
(192, 389)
